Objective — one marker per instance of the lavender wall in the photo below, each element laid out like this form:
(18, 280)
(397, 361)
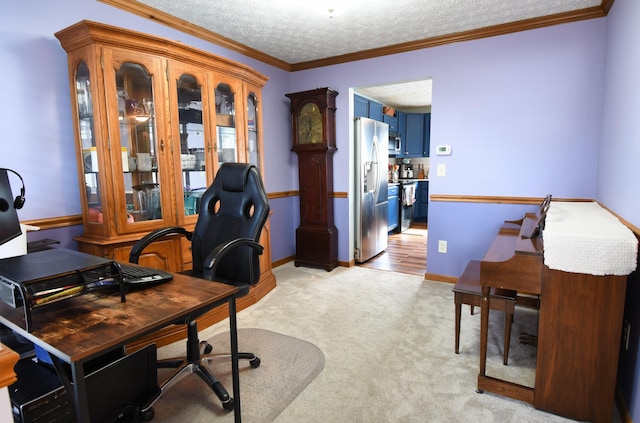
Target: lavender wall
(521, 112)
(37, 135)
(526, 122)
(618, 163)
(620, 147)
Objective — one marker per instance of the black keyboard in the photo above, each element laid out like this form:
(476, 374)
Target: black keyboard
(143, 275)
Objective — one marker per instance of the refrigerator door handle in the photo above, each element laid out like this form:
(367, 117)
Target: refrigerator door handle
(375, 155)
(366, 168)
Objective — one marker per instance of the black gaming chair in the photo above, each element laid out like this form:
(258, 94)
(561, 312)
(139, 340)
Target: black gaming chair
(225, 248)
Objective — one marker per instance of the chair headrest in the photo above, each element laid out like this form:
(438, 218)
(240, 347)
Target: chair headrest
(234, 176)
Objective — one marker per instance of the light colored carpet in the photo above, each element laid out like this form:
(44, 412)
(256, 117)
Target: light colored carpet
(388, 341)
(288, 365)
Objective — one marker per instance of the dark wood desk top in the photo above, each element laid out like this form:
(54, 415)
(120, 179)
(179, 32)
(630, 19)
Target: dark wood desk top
(85, 326)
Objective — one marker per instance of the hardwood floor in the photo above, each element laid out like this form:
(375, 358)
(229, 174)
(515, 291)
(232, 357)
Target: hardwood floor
(406, 253)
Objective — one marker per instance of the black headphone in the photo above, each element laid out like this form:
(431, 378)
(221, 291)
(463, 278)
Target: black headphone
(19, 201)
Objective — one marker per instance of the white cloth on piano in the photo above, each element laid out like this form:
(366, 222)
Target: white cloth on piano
(583, 237)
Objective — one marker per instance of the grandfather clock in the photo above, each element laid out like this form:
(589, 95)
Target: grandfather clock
(313, 120)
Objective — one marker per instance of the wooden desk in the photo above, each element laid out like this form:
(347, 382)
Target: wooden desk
(88, 326)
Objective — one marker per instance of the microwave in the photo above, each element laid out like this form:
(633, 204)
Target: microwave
(394, 144)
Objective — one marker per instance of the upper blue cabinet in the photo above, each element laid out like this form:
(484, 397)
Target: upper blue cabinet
(416, 138)
(427, 134)
(375, 111)
(392, 121)
(360, 106)
(363, 107)
(414, 128)
(402, 125)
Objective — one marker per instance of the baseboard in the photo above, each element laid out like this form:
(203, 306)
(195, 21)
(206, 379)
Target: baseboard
(282, 261)
(293, 257)
(440, 278)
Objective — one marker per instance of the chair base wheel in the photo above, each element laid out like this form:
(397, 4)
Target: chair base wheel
(228, 405)
(148, 415)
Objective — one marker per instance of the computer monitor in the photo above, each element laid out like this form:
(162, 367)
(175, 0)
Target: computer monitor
(9, 222)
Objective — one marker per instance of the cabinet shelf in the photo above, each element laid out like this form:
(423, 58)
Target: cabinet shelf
(225, 121)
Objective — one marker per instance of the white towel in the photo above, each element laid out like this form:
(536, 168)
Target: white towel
(583, 237)
(409, 194)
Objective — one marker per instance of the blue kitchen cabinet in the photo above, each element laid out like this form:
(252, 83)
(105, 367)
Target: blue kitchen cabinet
(393, 206)
(421, 206)
(375, 110)
(414, 135)
(402, 126)
(427, 135)
(417, 135)
(392, 121)
(360, 106)
(363, 107)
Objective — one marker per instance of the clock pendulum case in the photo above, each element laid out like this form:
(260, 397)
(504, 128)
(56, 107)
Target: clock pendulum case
(313, 124)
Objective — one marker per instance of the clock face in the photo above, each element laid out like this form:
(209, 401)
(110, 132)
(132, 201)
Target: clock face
(310, 124)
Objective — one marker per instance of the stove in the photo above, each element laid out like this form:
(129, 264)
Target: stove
(407, 199)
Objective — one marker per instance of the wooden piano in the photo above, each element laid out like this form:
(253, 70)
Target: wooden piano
(579, 330)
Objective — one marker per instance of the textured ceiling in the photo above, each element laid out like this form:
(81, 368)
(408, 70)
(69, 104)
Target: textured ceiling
(405, 96)
(299, 31)
(303, 30)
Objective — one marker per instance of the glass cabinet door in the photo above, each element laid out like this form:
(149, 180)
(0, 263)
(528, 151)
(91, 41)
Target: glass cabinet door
(138, 143)
(253, 151)
(88, 140)
(227, 141)
(194, 140)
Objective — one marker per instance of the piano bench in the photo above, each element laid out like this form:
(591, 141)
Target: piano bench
(468, 290)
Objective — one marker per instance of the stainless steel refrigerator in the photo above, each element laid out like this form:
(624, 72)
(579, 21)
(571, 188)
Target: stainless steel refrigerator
(371, 155)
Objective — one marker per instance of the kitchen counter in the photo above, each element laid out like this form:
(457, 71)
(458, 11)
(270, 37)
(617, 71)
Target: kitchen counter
(409, 180)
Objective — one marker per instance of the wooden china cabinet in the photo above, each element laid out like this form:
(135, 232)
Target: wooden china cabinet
(153, 121)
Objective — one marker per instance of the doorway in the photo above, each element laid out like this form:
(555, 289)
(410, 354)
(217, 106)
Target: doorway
(407, 250)
(406, 253)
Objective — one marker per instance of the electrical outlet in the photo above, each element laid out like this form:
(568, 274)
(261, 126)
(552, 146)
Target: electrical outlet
(626, 334)
(442, 247)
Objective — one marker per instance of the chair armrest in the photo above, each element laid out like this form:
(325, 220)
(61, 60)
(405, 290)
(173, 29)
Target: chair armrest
(141, 244)
(212, 260)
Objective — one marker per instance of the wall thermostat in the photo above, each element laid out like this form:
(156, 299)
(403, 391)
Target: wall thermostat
(443, 150)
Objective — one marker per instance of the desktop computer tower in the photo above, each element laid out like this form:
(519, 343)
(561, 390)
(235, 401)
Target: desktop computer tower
(116, 385)
(38, 395)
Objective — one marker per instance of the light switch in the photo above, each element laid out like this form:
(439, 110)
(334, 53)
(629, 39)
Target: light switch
(441, 169)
